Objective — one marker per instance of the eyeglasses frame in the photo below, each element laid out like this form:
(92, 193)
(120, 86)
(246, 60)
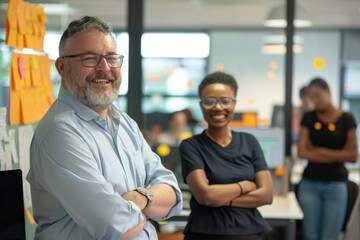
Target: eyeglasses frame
(120, 56)
(217, 101)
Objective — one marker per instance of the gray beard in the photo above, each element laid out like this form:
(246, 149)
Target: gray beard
(89, 96)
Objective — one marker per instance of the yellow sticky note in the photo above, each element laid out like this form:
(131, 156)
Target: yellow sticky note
(35, 72)
(34, 62)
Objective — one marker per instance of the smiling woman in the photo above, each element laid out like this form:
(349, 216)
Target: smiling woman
(225, 170)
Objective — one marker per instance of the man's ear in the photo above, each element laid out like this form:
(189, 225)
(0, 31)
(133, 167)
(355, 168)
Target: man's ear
(59, 64)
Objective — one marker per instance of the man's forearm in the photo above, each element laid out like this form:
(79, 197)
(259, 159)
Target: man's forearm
(164, 200)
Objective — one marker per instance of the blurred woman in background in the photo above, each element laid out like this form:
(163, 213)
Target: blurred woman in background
(327, 140)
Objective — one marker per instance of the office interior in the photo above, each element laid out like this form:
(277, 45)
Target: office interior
(169, 46)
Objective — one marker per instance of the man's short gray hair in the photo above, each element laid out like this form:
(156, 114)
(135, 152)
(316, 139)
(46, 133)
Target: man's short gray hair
(84, 24)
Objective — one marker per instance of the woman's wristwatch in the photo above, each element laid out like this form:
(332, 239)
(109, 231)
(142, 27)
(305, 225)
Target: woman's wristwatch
(148, 194)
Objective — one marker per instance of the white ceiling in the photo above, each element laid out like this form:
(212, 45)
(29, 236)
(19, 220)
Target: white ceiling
(204, 14)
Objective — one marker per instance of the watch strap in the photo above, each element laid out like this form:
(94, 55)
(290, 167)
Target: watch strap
(148, 194)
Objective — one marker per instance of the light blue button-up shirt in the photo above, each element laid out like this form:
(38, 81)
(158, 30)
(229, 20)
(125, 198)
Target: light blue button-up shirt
(81, 164)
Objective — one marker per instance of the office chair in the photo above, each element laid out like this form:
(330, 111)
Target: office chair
(351, 210)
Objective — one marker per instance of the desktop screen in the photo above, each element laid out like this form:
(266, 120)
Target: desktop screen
(244, 119)
(271, 140)
(351, 86)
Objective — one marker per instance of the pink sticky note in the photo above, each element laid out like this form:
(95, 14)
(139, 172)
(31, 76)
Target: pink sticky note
(21, 67)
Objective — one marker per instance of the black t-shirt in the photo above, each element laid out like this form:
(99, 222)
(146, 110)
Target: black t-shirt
(240, 160)
(329, 135)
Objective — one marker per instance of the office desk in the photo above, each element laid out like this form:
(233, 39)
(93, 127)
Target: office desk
(354, 175)
(283, 212)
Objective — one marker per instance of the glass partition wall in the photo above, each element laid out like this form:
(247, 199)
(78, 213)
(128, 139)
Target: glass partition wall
(235, 40)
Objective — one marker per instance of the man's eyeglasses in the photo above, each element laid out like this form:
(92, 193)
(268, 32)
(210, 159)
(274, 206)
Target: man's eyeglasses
(92, 60)
(209, 103)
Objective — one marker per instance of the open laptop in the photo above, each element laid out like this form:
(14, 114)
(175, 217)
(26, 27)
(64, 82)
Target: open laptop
(12, 217)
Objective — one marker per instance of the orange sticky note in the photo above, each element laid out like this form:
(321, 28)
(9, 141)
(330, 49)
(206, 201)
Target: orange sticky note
(27, 41)
(11, 37)
(21, 17)
(36, 28)
(45, 70)
(280, 171)
(26, 104)
(35, 98)
(11, 30)
(29, 216)
(11, 23)
(14, 108)
(41, 101)
(50, 95)
(14, 73)
(20, 41)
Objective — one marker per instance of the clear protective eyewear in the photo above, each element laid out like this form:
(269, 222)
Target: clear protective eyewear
(92, 59)
(225, 102)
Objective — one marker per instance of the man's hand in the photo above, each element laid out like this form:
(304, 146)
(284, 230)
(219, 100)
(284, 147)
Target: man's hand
(137, 198)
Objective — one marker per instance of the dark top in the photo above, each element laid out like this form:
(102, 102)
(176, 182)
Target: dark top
(240, 160)
(329, 135)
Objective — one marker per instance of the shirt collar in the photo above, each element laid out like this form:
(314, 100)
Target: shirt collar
(82, 110)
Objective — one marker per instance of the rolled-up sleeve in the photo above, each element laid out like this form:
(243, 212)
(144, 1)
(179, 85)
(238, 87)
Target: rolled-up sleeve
(157, 173)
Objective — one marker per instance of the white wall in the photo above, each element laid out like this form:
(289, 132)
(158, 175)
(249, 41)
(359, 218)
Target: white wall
(325, 44)
(240, 53)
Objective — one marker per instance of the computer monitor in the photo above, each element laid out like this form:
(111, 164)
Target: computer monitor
(271, 140)
(12, 220)
(278, 116)
(170, 158)
(244, 119)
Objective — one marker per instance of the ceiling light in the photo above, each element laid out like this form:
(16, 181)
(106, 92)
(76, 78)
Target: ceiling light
(58, 9)
(276, 18)
(281, 39)
(276, 49)
(275, 44)
(175, 45)
(51, 8)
